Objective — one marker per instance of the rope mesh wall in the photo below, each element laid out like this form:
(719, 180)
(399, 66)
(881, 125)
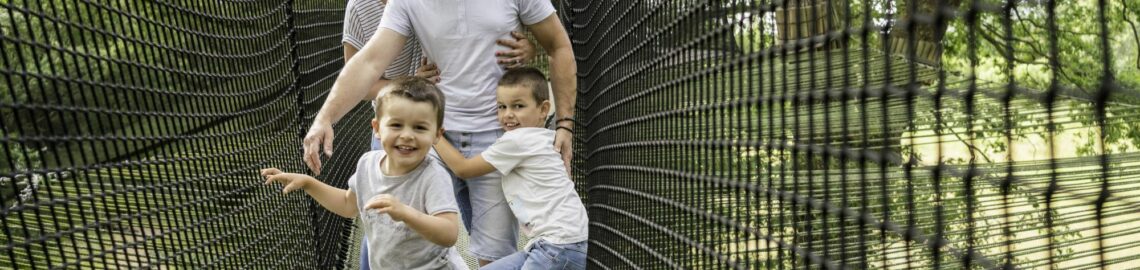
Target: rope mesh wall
(133, 132)
(711, 134)
(859, 133)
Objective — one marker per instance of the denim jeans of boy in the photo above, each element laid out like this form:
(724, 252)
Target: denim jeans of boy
(544, 255)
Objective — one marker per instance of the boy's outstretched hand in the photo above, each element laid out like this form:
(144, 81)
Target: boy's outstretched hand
(388, 204)
(292, 181)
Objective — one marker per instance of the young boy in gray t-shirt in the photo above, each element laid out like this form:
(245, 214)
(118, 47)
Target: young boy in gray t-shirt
(402, 196)
(394, 244)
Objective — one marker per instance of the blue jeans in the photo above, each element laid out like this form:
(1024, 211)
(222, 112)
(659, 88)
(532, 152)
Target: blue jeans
(364, 254)
(544, 255)
(483, 208)
(364, 239)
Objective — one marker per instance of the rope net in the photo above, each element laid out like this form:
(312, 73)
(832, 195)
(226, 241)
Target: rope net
(134, 131)
(710, 134)
(859, 133)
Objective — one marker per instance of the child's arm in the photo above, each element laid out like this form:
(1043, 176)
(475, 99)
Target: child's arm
(441, 229)
(339, 201)
(462, 167)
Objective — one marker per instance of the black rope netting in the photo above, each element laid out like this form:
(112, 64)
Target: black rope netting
(711, 134)
(133, 131)
(859, 133)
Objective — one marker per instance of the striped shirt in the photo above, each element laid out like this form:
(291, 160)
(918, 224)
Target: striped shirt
(361, 18)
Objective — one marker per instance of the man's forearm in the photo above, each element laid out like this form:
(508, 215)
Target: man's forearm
(349, 52)
(564, 78)
(357, 78)
(347, 91)
(375, 90)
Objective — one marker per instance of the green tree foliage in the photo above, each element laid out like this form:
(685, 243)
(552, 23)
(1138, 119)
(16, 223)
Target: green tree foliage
(998, 43)
(1022, 28)
(112, 59)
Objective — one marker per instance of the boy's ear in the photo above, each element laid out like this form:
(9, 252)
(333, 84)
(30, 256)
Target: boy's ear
(375, 127)
(545, 107)
(438, 135)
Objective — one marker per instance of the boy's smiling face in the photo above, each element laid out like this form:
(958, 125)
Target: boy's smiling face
(407, 130)
(518, 109)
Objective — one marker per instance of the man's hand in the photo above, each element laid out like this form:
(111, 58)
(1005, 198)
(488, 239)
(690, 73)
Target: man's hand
(564, 144)
(520, 54)
(292, 181)
(554, 40)
(388, 204)
(319, 134)
(428, 71)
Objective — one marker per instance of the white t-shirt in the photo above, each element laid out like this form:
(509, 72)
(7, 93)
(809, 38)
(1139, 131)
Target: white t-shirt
(537, 188)
(392, 244)
(459, 36)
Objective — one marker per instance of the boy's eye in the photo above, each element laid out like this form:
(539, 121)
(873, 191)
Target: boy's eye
(519, 106)
(421, 127)
(501, 106)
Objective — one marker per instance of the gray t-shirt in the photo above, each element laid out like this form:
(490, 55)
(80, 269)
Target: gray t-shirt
(392, 244)
(459, 37)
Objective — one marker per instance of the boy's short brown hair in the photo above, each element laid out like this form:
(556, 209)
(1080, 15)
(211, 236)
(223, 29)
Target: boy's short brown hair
(528, 77)
(415, 89)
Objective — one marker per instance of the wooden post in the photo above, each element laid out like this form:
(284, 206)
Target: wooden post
(799, 19)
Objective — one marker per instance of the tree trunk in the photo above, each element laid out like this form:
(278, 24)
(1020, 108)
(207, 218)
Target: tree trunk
(927, 37)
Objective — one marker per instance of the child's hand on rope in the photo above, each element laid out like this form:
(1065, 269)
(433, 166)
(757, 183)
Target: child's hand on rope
(292, 181)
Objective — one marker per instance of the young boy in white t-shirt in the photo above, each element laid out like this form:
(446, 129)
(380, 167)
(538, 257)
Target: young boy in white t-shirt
(535, 183)
(403, 198)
